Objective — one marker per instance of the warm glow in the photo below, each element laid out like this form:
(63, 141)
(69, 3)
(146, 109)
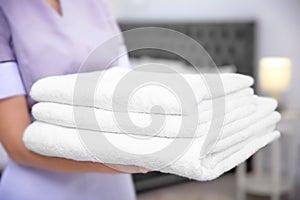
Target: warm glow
(275, 74)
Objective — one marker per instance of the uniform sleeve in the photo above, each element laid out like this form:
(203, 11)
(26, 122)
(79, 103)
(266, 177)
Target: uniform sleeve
(10, 79)
(6, 50)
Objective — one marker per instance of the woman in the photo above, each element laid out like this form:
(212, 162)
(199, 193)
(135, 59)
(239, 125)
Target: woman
(39, 38)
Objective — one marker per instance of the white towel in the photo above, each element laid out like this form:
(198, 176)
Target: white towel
(240, 112)
(97, 89)
(57, 141)
(234, 121)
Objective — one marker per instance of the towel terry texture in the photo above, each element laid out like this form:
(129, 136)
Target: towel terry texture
(50, 140)
(80, 117)
(80, 90)
(237, 118)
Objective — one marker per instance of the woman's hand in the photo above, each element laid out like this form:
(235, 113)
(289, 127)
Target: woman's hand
(14, 118)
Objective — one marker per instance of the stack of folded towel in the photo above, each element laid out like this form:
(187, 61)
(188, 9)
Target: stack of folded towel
(63, 120)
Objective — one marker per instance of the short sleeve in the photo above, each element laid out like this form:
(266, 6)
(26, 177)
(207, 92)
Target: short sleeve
(11, 83)
(6, 50)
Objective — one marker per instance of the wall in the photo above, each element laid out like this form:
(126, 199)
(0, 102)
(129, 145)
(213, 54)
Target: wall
(278, 30)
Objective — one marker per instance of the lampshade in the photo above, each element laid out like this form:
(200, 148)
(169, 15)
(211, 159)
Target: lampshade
(275, 74)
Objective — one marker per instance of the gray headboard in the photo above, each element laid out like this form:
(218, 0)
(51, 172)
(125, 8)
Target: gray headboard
(228, 43)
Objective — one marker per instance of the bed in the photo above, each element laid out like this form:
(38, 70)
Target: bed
(228, 43)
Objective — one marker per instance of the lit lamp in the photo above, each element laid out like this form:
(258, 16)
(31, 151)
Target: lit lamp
(275, 75)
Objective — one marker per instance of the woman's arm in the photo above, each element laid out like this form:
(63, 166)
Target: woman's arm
(14, 118)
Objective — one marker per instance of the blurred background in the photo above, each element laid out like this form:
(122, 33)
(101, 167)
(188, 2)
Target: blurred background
(258, 38)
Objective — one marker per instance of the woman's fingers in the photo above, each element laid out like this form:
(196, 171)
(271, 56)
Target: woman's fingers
(143, 170)
(128, 168)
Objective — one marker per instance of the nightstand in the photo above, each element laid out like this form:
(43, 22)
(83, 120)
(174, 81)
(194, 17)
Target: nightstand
(272, 181)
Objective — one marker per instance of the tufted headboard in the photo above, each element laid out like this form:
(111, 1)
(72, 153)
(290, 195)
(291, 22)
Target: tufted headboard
(228, 43)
